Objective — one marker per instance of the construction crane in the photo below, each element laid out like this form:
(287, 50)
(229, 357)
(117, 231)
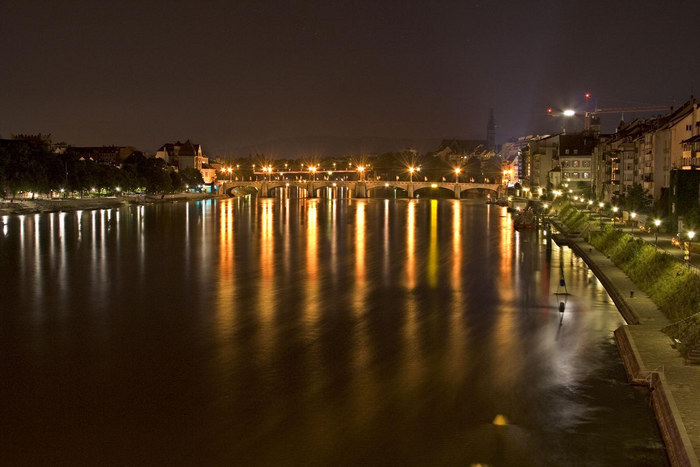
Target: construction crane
(607, 110)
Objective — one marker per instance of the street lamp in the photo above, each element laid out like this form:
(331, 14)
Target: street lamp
(657, 223)
(633, 215)
(410, 174)
(312, 169)
(614, 210)
(457, 171)
(361, 170)
(691, 234)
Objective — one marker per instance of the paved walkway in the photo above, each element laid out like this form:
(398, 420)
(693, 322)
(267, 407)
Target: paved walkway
(662, 241)
(653, 348)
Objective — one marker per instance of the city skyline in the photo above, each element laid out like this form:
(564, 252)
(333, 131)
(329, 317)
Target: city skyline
(245, 75)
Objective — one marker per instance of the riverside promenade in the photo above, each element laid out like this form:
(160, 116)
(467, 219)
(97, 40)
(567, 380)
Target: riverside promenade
(650, 358)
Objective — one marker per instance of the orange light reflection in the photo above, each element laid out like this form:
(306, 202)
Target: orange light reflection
(411, 245)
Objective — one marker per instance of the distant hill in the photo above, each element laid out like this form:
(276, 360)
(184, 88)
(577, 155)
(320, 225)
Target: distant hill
(330, 146)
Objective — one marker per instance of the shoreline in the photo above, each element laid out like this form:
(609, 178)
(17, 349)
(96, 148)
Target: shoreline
(39, 205)
(649, 357)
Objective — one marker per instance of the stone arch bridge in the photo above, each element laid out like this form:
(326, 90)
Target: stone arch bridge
(357, 188)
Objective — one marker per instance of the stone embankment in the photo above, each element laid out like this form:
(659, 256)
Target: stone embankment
(650, 357)
(31, 206)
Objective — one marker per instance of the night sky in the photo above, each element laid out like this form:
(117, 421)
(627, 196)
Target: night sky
(231, 74)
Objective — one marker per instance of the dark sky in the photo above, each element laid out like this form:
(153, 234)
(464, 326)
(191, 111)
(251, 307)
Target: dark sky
(228, 74)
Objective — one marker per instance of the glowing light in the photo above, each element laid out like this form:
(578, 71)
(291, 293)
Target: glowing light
(569, 113)
(500, 420)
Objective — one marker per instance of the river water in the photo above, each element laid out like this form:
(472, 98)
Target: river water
(308, 332)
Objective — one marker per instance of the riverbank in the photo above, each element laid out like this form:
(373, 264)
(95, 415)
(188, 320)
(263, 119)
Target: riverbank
(27, 206)
(650, 358)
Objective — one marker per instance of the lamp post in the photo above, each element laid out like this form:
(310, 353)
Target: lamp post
(457, 171)
(691, 234)
(614, 210)
(410, 174)
(633, 216)
(361, 170)
(657, 223)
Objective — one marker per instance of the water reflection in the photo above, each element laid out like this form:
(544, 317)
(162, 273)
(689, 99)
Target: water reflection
(411, 245)
(307, 331)
(226, 289)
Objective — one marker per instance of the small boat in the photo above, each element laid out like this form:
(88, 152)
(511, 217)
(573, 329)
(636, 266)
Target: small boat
(525, 220)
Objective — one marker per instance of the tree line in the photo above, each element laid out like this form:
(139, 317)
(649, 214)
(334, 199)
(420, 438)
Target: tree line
(27, 167)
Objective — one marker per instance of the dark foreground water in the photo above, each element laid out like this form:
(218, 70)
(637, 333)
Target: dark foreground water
(307, 332)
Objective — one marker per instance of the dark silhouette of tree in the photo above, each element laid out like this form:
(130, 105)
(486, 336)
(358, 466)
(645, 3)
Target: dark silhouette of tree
(636, 199)
(191, 177)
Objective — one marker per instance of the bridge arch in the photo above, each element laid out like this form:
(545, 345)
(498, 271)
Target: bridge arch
(287, 190)
(475, 191)
(434, 191)
(387, 190)
(240, 190)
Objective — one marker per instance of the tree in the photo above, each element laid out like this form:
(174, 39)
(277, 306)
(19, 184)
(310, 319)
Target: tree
(491, 168)
(155, 175)
(473, 169)
(191, 177)
(637, 199)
